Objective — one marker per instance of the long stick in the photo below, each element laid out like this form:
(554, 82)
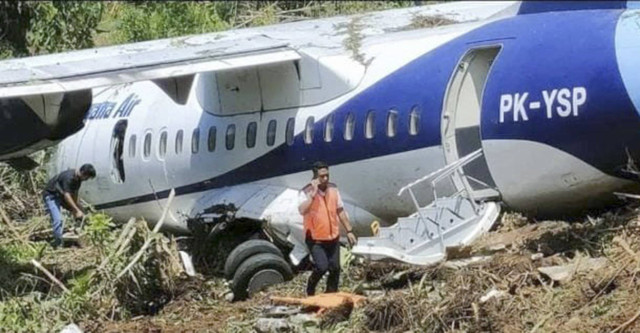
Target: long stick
(148, 241)
(49, 275)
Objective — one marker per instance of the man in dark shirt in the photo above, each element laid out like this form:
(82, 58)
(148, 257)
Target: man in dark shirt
(63, 190)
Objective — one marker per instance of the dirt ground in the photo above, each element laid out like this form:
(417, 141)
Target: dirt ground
(501, 292)
(501, 283)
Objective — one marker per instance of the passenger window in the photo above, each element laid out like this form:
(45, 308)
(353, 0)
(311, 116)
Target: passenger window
(349, 125)
(252, 128)
(370, 125)
(162, 147)
(179, 136)
(414, 121)
(147, 145)
(211, 143)
(308, 131)
(231, 136)
(291, 122)
(392, 123)
(328, 128)
(132, 146)
(271, 132)
(195, 141)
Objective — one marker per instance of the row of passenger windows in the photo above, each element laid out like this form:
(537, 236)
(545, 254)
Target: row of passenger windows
(252, 131)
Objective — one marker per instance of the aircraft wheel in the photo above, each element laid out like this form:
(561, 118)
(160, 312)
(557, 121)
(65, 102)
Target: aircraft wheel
(246, 250)
(258, 272)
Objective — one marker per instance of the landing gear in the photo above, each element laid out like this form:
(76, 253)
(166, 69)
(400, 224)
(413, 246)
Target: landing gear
(253, 264)
(258, 272)
(246, 250)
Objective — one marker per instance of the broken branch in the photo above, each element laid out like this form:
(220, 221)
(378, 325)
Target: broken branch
(49, 275)
(146, 244)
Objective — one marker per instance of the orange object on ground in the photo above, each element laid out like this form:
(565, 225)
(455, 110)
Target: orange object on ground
(326, 301)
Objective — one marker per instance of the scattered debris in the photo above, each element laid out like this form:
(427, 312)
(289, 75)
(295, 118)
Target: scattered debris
(272, 325)
(187, 263)
(537, 256)
(566, 272)
(353, 41)
(493, 293)
(71, 328)
(498, 286)
(421, 21)
(280, 311)
(461, 263)
(323, 301)
(429, 21)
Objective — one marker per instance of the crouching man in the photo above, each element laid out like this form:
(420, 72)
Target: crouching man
(62, 190)
(322, 208)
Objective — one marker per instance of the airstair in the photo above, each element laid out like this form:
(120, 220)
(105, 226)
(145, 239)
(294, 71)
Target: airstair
(422, 237)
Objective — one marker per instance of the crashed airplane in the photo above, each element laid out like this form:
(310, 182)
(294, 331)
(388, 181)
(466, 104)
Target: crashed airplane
(428, 132)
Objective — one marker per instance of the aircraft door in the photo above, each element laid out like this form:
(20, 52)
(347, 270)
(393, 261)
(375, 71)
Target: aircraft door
(460, 123)
(116, 151)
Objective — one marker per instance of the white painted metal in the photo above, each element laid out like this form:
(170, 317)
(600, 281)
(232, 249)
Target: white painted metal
(422, 238)
(92, 68)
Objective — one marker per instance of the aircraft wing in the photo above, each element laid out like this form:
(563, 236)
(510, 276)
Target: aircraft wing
(84, 70)
(45, 98)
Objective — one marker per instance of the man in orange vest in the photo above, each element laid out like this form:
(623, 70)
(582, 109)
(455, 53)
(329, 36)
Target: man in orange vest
(322, 208)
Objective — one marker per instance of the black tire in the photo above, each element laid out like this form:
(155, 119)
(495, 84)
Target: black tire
(246, 250)
(263, 263)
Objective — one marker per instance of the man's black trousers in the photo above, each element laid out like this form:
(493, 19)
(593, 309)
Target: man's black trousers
(326, 257)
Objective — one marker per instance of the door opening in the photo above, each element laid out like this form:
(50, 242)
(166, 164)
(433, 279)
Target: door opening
(460, 123)
(117, 147)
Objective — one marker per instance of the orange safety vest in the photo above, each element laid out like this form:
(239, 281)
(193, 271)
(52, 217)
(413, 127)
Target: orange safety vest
(321, 220)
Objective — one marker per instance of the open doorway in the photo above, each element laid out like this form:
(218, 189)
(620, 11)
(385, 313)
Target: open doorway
(117, 147)
(460, 123)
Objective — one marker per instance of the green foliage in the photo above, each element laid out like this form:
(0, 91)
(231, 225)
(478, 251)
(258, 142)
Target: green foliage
(63, 25)
(21, 252)
(20, 191)
(29, 28)
(126, 22)
(19, 315)
(153, 20)
(77, 300)
(98, 230)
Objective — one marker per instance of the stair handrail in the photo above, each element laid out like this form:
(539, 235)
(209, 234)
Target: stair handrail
(444, 171)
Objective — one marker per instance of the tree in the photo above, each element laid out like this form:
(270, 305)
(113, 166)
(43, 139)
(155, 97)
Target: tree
(32, 27)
